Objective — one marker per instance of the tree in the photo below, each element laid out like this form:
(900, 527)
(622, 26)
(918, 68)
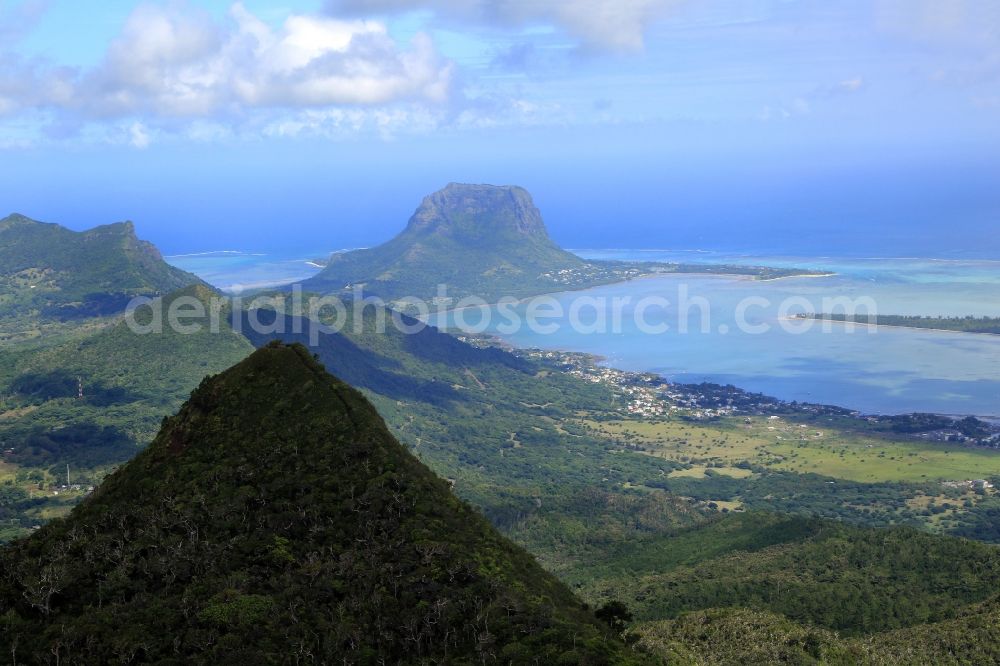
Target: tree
(615, 614)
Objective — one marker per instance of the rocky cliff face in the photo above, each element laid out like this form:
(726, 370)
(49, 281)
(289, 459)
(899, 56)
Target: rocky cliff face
(487, 209)
(482, 240)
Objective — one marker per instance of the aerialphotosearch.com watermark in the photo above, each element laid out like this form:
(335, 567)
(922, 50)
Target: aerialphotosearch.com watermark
(312, 315)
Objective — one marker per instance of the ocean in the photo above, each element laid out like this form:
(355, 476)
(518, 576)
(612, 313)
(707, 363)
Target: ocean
(735, 330)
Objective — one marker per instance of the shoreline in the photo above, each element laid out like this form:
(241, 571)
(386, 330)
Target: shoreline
(792, 277)
(899, 326)
(733, 276)
(602, 361)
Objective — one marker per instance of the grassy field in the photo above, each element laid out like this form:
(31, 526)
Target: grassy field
(801, 447)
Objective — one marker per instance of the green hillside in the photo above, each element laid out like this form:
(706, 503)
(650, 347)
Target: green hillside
(497, 426)
(509, 435)
(477, 239)
(734, 637)
(51, 275)
(130, 382)
(489, 242)
(275, 519)
(849, 579)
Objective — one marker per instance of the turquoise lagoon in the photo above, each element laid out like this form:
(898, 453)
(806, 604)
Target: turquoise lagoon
(236, 270)
(888, 370)
(885, 371)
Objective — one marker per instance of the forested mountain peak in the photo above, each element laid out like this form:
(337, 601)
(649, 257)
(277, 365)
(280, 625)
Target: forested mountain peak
(275, 517)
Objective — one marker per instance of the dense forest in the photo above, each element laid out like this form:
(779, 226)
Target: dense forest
(275, 519)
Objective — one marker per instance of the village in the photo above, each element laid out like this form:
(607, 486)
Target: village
(650, 395)
(647, 395)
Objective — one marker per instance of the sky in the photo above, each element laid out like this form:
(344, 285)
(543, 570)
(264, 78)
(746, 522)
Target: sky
(793, 126)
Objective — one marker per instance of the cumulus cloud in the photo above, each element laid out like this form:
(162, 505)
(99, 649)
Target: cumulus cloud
(617, 25)
(138, 135)
(968, 30)
(27, 83)
(175, 62)
(804, 104)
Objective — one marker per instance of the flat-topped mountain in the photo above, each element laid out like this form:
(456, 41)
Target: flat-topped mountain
(48, 271)
(483, 240)
(490, 214)
(275, 519)
(487, 241)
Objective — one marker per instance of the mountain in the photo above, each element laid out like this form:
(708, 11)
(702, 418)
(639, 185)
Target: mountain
(483, 240)
(275, 519)
(501, 428)
(129, 382)
(48, 272)
(490, 242)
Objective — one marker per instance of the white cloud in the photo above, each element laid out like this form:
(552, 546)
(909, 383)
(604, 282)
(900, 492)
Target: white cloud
(617, 25)
(138, 136)
(25, 83)
(171, 62)
(174, 68)
(28, 83)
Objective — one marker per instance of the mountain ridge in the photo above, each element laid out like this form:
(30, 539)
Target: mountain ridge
(50, 274)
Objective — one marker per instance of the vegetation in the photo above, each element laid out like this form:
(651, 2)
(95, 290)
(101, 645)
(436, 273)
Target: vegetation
(488, 242)
(275, 519)
(497, 230)
(52, 279)
(852, 580)
(720, 637)
(490, 422)
(129, 383)
(970, 324)
(693, 532)
(858, 451)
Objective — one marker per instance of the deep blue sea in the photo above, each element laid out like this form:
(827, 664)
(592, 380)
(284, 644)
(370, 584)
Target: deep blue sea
(738, 330)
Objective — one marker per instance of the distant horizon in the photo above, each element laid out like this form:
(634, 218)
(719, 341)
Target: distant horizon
(858, 240)
(765, 126)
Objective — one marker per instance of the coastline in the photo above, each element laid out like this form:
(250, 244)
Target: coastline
(792, 277)
(767, 404)
(877, 326)
(732, 276)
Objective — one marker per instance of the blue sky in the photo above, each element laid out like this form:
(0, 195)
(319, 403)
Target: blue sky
(770, 125)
